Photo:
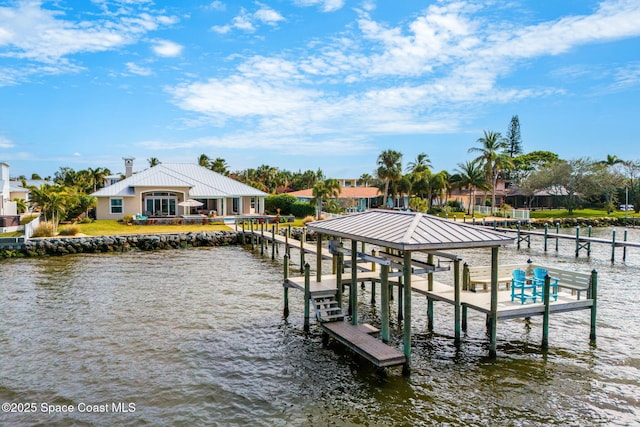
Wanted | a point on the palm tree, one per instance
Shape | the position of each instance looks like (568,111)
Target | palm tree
(365,179)
(611,160)
(389,169)
(420,164)
(492,158)
(220,166)
(204,160)
(96,177)
(153,161)
(471,176)
(323,191)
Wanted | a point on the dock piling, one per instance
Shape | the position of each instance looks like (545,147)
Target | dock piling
(307,295)
(594,296)
(384,309)
(545,317)
(456,305)
(286,288)
(613,246)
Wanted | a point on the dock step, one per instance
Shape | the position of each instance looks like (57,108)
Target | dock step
(327,308)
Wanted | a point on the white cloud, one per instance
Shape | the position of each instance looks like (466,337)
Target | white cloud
(31,32)
(427,75)
(325,5)
(248,21)
(5,142)
(268,16)
(167,48)
(218,5)
(136,69)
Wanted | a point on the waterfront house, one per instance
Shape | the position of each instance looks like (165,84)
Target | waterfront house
(160,190)
(352,199)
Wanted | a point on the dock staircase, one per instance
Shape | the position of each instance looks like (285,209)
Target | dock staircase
(327,307)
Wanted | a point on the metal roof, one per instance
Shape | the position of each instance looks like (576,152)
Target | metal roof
(409,231)
(202,182)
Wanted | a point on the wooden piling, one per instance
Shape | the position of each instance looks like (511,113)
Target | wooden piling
(613,246)
(589,243)
(262,238)
(339,286)
(400,301)
(429,300)
(318,256)
(286,288)
(494,302)
(577,241)
(353,288)
(384,295)
(456,304)
(273,242)
(624,248)
(406,369)
(546,232)
(594,297)
(545,316)
(557,232)
(303,237)
(252,237)
(307,296)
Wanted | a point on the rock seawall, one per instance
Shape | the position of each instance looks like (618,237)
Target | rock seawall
(124,243)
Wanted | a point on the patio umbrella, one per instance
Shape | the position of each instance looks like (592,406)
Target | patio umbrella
(189,203)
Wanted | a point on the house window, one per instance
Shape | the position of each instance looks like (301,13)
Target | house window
(161,204)
(253,203)
(116,206)
(236,205)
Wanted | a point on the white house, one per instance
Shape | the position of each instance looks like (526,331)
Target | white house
(159,191)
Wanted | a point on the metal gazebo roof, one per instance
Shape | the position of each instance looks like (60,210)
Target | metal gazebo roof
(409,231)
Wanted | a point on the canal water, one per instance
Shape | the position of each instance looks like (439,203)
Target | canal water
(196,337)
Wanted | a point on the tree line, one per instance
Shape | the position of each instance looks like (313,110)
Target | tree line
(498,158)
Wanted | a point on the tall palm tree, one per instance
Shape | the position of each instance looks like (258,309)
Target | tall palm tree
(389,169)
(492,157)
(323,191)
(153,161)
(470,175)
(365,179)
(420,164)
(97,176)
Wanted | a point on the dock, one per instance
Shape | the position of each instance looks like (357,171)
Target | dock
(397,236)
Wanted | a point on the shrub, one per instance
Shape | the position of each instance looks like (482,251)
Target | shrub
(45,229)
(307,219)
(284,202)
(127,219)
(86,220)
(302,209)
(69,230)
(455,205)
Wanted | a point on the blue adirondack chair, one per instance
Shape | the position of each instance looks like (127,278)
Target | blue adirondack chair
(538,280)
(521,287)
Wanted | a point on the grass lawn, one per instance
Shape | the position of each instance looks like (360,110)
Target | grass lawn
(582,213)
(111,227)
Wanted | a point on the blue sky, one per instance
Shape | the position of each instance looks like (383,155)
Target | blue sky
(308,84)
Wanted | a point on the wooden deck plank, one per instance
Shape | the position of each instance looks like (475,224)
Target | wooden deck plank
(360,341)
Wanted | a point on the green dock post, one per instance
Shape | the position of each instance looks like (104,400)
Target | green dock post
(589,243)
(286,287)
(406,369)
(286,240)
(456,298)
(493,316)
(557,232)
(273,242)
(624,248)
(303,237)
(429,300)
(307,295)
(262,238)
(545,317)
(339,279)
(577,241)
(594,297)
(465,287)
(613,246)
(353,287)
(400,311)
(318,257)
(384,310)
(546,233)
